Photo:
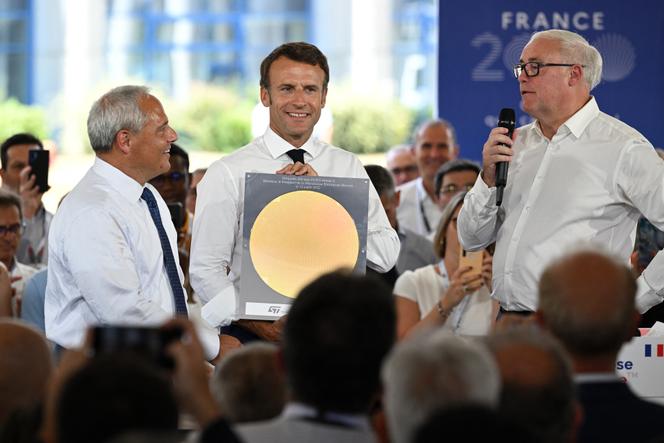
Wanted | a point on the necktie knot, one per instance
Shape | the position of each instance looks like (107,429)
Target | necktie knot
(149,198)
(297,155)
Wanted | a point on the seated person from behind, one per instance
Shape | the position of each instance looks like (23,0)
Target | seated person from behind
(445,294)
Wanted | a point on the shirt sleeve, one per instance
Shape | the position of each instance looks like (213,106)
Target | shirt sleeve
(216,225)
(382,241)
(102,264)
(406,286)
(640,179)
(478,220)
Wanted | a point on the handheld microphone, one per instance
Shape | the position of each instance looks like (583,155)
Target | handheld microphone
(507,119)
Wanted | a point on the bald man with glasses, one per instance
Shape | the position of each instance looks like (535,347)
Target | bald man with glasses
(577,175)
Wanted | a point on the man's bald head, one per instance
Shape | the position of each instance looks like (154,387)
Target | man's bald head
(587,300)
(25,367)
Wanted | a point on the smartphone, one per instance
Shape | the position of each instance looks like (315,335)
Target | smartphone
(147,342)
(177,215)
(38,161)
(472,259)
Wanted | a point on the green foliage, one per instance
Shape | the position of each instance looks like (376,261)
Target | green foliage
(214,119)
(367,125)
(17,117)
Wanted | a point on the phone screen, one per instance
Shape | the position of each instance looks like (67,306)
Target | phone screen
(472,259)
(38,161)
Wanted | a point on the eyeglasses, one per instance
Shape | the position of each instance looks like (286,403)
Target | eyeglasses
(15,229)
(171,176)
(532,69)
(403,170)
(453,189)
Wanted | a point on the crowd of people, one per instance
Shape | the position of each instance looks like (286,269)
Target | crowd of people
(120,320)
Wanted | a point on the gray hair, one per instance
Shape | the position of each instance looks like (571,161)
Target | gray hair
(430,372)
(543,401)
(248,385)
(578,50)
(114,111)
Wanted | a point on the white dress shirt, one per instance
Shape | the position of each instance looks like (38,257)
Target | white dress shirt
(416,210)
(106,264)
(217,236)
(588,184)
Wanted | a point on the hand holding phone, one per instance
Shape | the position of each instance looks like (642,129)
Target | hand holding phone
(473,259)
(147,342)
(38,161)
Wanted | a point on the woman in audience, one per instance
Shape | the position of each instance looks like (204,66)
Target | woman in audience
(456,298)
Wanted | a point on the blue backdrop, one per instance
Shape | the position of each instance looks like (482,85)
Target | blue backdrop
(480,41)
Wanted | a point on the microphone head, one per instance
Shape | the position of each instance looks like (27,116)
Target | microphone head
(507,118)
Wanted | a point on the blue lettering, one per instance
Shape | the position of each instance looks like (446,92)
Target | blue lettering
(620,365)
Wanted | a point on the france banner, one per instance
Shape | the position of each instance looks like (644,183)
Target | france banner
(480,42)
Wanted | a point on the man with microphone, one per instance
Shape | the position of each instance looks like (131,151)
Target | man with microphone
(576,175)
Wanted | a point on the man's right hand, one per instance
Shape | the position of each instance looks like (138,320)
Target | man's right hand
(265,329)
(494,152)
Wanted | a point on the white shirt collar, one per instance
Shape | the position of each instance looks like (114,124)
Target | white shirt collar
(577,123)
(121,182)
(278,146)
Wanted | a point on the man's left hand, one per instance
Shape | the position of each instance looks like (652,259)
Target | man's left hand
(297,169)
(265,329)
(29,191)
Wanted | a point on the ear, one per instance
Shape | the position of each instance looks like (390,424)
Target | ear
(397,197)
(457,149)
(576,75)
(265,97)
(123,141)
(323,98)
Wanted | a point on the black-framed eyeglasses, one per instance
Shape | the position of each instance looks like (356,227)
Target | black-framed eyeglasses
(171,176)
(532,69)
(16,228)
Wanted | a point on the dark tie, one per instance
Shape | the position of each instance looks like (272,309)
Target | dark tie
(169,259)
(297,155)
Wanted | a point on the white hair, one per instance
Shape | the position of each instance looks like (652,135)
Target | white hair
(578,50)
(114,111)
(427,373)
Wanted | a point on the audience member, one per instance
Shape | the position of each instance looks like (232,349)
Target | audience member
(15,172)
(538,390)
(196,177)
(446,294)
(402,164)
(11,229)
(122,267)
(471,423)
(455,176)
(587,300)
(249,383)
(25,369)
(113,394)
(416,251)
(432,372)
(293,85)
(173,186)
(32,301)
(338,331)
(6,292)
(434,143)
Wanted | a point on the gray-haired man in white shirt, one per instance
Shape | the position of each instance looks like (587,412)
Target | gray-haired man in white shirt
(108,245)
(576,175)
